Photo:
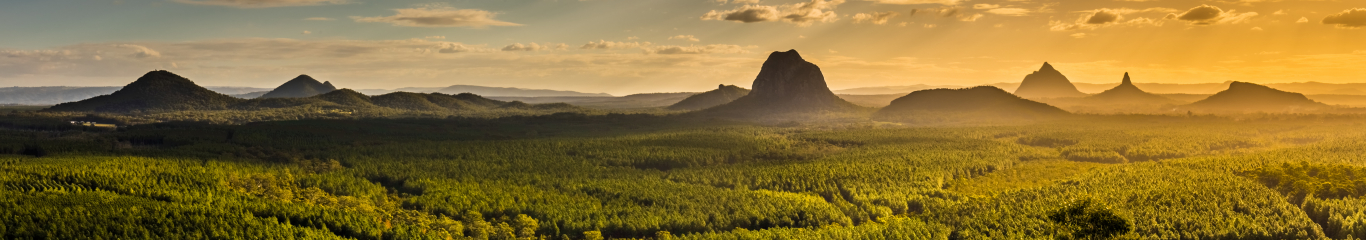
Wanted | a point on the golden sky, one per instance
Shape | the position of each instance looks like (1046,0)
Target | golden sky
(633,46)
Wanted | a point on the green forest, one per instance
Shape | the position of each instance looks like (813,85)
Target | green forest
(661,175)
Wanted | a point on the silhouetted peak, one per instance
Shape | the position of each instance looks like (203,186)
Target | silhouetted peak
(1047,68)
(329,84)
(721,86)
(304,77)
(1126,80)
(160,77)
(1237,84)
(789,55)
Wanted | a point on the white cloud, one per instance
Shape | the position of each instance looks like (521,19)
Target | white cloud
(690,38)
(261,3)
(1303,20)
(534,47)
(802,14)
(604,44)
(878,18)
(439,17)
(140,51)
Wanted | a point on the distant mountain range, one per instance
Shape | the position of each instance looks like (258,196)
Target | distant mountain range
(487,91)
(55,95)
(1309,88)
(163,91)
(59,94)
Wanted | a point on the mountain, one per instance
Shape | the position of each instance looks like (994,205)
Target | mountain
(435,101)
(786,84)
(408,101)
(300,87)
(348,98)
(1249,97)
(515,92)
(1047,82)
(722,95)
(155,91)
(975,102)
(1127,93)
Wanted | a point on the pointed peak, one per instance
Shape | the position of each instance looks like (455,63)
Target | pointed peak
(1126,80)
(1047,67)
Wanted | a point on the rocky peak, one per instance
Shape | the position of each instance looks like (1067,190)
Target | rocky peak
(786,76)
(787,83)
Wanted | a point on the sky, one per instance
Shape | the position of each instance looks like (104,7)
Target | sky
(637,46)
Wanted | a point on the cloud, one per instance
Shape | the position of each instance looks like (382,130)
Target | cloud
(1350,18)
(745,14)
(1210,15)
(306,32)
(534,47)
(320,19)
(450,47)
(439,17)
(1105,17)
(1009,11)
(738,1)
(705,49)
(140,51)
(878,18)
(604,44)
(1078,35)
(261,3)
(949,12)
(1303,20)
(985,6)
(685,37)
(911,2)
(802,14)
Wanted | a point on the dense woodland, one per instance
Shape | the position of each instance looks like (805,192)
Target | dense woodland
(599,175)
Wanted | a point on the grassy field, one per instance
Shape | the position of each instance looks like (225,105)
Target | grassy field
(661,177)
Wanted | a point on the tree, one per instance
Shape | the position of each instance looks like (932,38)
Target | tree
(526,226)
(1085,220)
